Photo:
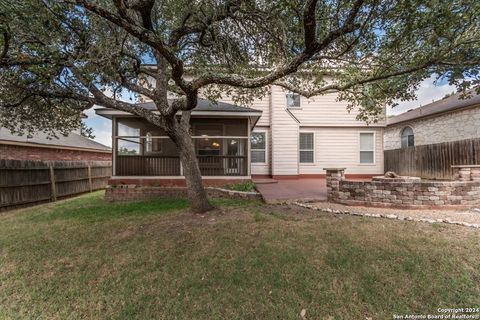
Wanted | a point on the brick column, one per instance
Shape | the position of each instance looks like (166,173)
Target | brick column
(475,173)
(333,177)
(467,172)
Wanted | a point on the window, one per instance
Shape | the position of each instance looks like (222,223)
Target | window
(367,148)
(258,147)
(293,100)
(408,138)
(306,147)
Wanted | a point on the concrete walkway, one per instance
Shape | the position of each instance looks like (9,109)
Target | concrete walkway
(275,191)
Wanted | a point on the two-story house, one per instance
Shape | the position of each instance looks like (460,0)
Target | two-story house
(282,135)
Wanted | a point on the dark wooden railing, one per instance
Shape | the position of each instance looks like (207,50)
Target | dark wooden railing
(134,165)
(147,166)
(223,165)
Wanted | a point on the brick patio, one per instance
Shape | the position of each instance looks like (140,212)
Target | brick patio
(304,189)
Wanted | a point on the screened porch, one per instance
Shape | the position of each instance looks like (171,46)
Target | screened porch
(141,149)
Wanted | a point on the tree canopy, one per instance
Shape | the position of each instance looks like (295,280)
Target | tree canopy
(57,56)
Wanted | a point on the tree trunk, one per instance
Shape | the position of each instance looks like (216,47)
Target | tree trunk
(193,177)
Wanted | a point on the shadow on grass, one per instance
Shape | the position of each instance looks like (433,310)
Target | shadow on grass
(93,208)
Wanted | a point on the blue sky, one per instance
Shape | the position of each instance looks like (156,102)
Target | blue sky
(428,92)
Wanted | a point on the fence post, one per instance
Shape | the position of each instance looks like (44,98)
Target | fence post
(89,169)
(52,182)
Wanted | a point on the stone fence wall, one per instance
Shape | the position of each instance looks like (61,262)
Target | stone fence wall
(405,192)
(138,192)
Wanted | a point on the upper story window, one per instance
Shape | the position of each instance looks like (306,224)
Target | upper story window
(367,148)
(307,149)
(408,138)
(258,147)
(293,100)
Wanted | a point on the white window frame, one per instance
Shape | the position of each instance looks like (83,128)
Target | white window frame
(299,100)
(265,132)
(313,150)
(401,137)
(374,149)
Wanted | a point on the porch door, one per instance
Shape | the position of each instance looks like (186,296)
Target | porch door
(209,150)
(233,164)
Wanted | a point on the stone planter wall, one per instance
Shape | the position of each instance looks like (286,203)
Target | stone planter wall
(402,193)
(138,192)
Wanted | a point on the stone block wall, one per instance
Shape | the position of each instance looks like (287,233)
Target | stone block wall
(408,194)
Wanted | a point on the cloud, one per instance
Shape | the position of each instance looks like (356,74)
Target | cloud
(102,127)
(427,93)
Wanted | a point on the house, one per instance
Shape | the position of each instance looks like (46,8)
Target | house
(282,136)
(446,120)
(73,147)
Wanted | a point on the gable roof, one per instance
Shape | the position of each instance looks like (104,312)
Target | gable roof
(72,141)
(206,105)
(204,108)
(451,103)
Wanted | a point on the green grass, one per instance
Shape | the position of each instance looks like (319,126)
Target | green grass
(84,258)
(247,186)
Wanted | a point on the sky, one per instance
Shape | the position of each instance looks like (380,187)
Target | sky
(427,92)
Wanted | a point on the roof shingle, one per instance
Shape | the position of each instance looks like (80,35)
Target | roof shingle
(451,103)
(73,140)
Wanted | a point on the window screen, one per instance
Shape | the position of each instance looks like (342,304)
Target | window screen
(293,100)
(306,148)
(258,147)
(367,148)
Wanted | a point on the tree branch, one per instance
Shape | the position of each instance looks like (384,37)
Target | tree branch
(311,48)
(144,35)
(228,11)
(349,85)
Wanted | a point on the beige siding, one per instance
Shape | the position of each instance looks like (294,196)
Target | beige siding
(339,147)
(258,104)
(323,110)
(284,137)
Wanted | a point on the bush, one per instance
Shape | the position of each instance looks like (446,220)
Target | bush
(247,186)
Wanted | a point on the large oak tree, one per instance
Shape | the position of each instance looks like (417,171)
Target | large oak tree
(58,56)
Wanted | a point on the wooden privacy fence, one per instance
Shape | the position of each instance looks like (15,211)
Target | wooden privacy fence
(27,182)
(433,161)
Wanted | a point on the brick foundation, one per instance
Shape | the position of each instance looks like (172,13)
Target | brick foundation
(409,193)
(135,192)
(161,182)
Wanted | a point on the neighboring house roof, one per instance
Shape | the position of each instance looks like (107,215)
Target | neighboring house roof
(451,103)
(72,141)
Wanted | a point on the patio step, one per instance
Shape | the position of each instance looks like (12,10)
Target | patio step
(264,181)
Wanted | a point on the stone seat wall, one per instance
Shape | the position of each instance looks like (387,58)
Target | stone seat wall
(403,193)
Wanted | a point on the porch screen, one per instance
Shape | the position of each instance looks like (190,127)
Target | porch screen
(258,146)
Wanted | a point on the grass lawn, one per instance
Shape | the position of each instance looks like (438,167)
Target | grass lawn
(84,258)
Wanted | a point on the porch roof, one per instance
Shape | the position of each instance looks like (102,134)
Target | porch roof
(204,108)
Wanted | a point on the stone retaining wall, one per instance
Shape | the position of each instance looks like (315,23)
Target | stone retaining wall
(137,192)
(412,193)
